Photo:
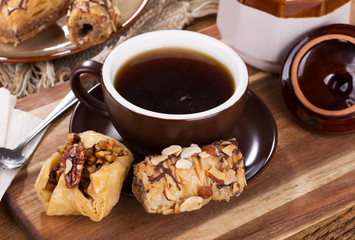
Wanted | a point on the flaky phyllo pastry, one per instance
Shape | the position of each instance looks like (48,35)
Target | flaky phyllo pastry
(185,179)
(89,22)
(92,22)
(22,19)
(85,176)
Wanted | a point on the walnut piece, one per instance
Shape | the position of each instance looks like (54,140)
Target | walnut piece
(73,138)
(76,155)
(77,163)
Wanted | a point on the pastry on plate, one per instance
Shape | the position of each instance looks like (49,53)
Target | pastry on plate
(185,179)
(20,20)
(92,22)
(84,177)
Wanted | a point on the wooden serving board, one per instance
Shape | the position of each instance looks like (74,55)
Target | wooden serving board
(311,177)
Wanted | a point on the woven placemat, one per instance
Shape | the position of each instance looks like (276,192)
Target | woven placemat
(23,79)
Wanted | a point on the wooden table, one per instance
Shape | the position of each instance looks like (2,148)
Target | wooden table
(307,190)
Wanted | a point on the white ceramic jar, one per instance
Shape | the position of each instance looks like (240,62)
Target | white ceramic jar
(263,34)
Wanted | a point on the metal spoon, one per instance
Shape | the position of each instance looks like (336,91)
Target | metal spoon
(14,158)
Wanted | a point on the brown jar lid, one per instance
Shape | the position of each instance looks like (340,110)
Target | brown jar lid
(296,8)
(318,79)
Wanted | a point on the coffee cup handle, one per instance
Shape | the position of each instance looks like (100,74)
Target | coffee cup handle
(93,68)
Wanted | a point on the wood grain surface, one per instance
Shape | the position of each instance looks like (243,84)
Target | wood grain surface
(306,191)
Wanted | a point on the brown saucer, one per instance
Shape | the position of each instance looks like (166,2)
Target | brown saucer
(256,132)
(318,79)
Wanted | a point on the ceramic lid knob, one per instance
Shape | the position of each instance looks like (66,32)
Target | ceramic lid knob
(318,79)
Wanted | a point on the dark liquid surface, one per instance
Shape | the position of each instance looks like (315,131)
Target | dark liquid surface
(174,81)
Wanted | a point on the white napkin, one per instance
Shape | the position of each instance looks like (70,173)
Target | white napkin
(15,125)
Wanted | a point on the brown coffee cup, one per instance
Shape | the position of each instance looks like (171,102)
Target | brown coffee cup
(148,131)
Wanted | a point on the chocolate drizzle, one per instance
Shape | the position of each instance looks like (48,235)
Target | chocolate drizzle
(220,186)
(237,192)
(239,161)
(236,165)
(78,4)
(17,37)
(87,5)
(22,5)
(221,161)
(163,170)
(236,151)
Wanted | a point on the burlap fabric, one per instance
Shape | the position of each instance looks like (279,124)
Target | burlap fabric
(25,78)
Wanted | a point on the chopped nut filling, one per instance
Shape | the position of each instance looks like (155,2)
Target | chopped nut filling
(78,162)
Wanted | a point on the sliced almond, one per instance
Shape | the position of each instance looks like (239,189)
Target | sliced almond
(68,166)
(158,159)
(216,175)
(170,195)
(236,189)
(224,143)
(204,154)
(171,150)
(193,145)
(230,177)
(184,164)
(229,150)
(189,151)
(178,153)
(165,164)
(191,203)
(177,208)
(79,167)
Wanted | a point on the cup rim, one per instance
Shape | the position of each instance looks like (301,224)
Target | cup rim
(241,72)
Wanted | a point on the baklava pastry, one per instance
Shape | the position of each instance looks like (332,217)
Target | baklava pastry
(84,177)
(185,179)
(20,20)
(92,22)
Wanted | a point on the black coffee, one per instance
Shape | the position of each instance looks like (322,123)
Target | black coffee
(175,81)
